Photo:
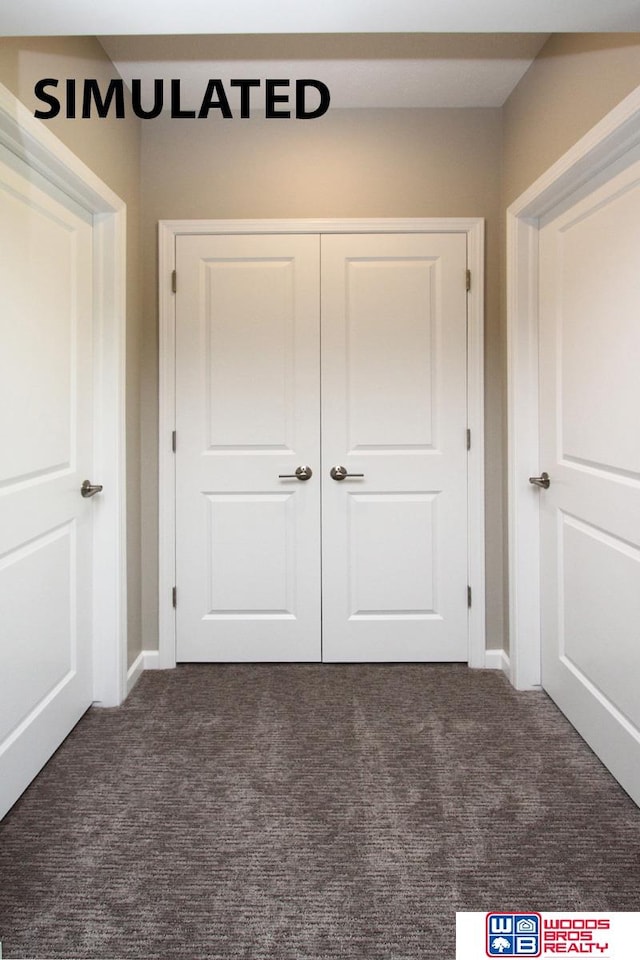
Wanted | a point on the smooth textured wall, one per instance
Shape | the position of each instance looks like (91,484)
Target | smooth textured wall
(576,79)
(350,163)
(111,148)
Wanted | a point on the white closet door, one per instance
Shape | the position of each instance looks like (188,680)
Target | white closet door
(46,426)
(590,447)
(247,412)
(394,409)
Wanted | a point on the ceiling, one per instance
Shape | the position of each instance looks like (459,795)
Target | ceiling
(370,53)
(96,18)
(381,70)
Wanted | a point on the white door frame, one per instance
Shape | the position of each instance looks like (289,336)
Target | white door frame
(169,230)
(43,152)
(603,152)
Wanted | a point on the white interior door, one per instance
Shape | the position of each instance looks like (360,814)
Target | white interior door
(590,447)
(247,413)
(46,429)
(394,409)
(249,310)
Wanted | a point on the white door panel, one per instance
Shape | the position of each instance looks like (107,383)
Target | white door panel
(46,429)
(247,383)
(394,409)
(249,365)
(590,446)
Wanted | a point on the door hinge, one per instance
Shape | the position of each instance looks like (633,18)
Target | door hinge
(174,596)
(173,440)
(468,440)
(468,280)
(173,281)
(468,596)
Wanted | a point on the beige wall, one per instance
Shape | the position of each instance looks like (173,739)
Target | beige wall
(350,163)
(111,148)
(576,79)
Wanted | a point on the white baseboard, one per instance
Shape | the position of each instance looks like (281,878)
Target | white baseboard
(146,660)
(150,660)
(498,660)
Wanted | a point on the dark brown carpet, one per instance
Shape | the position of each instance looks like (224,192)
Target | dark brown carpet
(307,812)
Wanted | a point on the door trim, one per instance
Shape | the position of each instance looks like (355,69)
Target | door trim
(168,232)
(30,140)
(606,149)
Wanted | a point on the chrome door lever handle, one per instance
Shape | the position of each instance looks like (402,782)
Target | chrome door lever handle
(90,489)
(544,481)
(302,473)
(341,473)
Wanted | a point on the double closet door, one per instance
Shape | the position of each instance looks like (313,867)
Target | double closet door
(321,456)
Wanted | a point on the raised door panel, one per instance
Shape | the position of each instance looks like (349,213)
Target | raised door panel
(393,568)
(258,578)
(249,351)
(390,340)
(601,600)
(39,576)
(247,415)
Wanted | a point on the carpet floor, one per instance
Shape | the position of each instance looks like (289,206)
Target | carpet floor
(303,812)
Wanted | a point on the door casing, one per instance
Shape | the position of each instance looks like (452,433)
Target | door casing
(54,163)
(473,228)
(607,149)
